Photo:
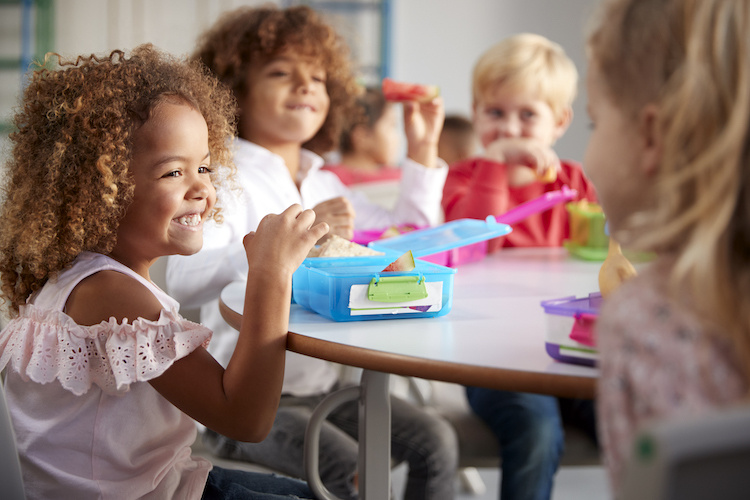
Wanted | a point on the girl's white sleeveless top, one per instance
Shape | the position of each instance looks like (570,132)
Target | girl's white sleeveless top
(88,424)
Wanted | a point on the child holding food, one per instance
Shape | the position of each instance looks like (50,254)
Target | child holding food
(290,74)
(523,89)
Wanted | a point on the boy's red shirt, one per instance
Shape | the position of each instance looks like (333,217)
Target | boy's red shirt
(478,187)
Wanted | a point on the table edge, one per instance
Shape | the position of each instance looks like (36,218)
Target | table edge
(553,384)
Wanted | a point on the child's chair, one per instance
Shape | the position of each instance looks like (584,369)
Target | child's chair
(699,458)
(10,467)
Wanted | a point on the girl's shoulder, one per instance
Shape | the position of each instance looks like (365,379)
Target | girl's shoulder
(45,343)
(111,293)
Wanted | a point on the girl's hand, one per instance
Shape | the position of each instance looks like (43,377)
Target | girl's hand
(282,241)
(534,159)
(339,214)
(423,122)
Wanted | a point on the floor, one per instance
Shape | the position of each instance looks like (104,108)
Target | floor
(571,483)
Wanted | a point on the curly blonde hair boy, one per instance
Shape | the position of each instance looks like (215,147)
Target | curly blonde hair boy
(67,182)
(251,37)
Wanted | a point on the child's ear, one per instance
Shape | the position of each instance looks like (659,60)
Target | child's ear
(563,122)
(651,138)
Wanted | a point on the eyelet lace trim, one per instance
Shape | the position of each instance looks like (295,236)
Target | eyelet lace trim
(44,345)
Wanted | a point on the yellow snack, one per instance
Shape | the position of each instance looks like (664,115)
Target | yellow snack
(548,176)
(615,270)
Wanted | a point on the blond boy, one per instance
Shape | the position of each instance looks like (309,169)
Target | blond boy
(523,91)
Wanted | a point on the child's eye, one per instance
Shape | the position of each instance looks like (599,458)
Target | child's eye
(527,114)
(173,173)
(495,113)
(204,169)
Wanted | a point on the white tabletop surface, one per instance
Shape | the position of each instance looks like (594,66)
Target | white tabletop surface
(496,326)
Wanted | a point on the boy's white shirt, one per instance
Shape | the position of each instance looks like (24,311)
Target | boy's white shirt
(267,187)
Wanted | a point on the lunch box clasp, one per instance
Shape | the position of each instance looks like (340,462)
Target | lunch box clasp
(397,288)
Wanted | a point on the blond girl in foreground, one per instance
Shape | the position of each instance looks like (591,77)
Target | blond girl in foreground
(669,98)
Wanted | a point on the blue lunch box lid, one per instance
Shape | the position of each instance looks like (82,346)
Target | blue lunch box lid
(446,236)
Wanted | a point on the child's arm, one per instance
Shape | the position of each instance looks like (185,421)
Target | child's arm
(241,401)
(423,122)
(476,188)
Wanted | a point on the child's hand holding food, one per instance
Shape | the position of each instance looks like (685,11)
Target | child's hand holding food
(424,114)
(339,214)
(528,160)
(282,242)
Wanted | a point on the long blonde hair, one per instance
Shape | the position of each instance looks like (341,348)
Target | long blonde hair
(691,58)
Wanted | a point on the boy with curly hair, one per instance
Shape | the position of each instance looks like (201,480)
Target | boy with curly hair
(291,76)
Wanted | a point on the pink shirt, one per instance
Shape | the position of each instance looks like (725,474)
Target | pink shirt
(657,362)
(88,424)
(351,176)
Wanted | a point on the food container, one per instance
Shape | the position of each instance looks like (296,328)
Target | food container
(477,251)
(570,328)
(355,288)
(588,239)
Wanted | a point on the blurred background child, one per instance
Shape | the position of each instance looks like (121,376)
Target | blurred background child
(369,149)
(291,76)
(369,144)
(113,166)
(523,89)
(668,88)
(458,141)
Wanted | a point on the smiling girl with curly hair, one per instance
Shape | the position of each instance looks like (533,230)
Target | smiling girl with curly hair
(113,166)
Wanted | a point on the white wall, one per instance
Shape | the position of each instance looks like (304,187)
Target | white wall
(434,41)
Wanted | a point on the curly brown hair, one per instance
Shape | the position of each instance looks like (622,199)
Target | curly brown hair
(250,37)
(67,182)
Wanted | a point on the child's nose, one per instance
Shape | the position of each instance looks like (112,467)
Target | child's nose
(303,82)
(200,188)
(510,127)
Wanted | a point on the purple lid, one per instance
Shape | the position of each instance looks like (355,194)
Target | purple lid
(571,306)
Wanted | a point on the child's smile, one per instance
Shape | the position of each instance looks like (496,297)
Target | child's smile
(189,220)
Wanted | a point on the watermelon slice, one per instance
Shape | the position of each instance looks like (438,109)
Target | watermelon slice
(401,91)
(402,264)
